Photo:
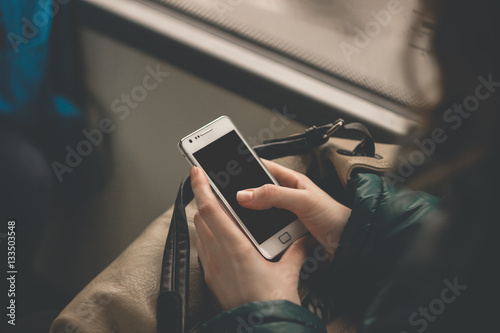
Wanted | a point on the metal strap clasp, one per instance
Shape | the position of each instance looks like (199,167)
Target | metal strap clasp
(338,124)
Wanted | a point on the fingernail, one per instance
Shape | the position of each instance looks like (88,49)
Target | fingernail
(244,196)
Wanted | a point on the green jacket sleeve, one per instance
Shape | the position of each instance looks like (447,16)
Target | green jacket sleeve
(383,223)
(263,317)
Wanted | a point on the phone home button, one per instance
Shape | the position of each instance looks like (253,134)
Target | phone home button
(285,237)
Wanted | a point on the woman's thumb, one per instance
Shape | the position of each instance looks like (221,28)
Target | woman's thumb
(296,254)
(271,195)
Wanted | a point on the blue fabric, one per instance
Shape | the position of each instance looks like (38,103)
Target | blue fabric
(25,95)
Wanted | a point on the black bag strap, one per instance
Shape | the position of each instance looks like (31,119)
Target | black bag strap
(301,144)
(367,146)
(172,305)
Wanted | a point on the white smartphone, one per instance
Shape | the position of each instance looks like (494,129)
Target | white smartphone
(232,165)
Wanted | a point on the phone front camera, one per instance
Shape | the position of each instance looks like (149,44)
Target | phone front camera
(190,141)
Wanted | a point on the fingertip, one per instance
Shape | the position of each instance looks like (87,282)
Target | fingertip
(303,242)
(296,252)
(198,178)
(305,245)
(193,171)
(245,196)
(196,219)
(192,175)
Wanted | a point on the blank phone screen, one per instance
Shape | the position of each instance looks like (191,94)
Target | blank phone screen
(232,167)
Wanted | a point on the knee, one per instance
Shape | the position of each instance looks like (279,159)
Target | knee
(25,175)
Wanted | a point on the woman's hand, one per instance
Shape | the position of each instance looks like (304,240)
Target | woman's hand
(234,270)
(324,217)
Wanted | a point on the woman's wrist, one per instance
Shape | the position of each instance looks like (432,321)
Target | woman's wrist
(330,239)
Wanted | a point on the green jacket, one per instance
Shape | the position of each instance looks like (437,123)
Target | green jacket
(383,221)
